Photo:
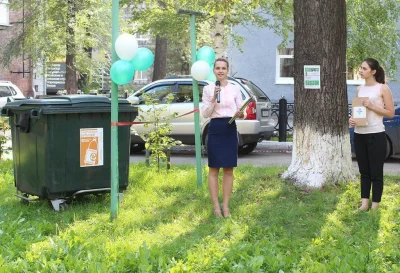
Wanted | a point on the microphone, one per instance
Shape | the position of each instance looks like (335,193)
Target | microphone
(218,84)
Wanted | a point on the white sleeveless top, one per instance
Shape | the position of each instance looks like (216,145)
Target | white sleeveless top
(375,121)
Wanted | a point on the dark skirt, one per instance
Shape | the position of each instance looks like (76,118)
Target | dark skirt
(222,144)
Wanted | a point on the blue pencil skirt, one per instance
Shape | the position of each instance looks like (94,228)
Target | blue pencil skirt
(222,144)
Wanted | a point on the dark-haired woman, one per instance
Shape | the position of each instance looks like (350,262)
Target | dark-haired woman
(222,145)
(370,140)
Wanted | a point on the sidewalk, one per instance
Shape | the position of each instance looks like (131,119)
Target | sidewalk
(272,146)
(276,146)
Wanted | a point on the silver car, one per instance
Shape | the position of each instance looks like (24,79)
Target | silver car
(257,126)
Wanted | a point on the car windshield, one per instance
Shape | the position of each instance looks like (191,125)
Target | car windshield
(254,89)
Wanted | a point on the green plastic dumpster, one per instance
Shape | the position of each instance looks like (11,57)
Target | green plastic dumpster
(62,146)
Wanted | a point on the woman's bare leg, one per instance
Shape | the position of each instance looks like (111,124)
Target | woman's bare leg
(227,185)
(375,205)
(213,187)
(364,204)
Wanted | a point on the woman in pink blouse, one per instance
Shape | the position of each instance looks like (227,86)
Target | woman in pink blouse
(222,144)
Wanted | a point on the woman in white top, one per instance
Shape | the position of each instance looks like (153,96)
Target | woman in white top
(370,140)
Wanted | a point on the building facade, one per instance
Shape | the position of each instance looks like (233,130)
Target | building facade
(260,61)
(18,70)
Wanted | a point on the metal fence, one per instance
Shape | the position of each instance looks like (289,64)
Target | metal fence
(290,115)
(289,118)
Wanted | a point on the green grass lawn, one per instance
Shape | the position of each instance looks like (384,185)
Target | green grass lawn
(165,224)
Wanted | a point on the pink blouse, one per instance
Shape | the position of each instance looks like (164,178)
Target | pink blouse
(231,101)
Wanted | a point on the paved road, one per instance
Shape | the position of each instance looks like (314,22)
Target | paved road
(267,153)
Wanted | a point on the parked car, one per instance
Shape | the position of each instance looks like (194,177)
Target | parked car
(392,130)
(257,126)
(9,90)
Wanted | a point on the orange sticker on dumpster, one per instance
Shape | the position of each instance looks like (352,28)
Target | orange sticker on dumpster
(91,147)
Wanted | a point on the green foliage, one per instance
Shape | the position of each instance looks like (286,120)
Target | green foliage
(3,137)
(44,37)
(372,33)
(166,224)
(371,24)
(157,137)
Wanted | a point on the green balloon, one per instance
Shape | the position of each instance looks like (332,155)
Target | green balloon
(211,77)
(122,72)
(206,53)
(143,59)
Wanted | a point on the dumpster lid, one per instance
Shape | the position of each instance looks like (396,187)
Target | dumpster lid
(68,100)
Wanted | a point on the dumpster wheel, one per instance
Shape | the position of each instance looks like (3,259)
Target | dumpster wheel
(63,206)
(59,204)
(25,200)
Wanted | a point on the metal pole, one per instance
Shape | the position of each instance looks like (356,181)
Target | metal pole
(114,118)
(196,103)
(282,119)
(23,39)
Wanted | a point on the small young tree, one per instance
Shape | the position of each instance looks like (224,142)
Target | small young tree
(157,137)
(3,137)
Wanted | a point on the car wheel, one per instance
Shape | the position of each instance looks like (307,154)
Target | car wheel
(137,147)
(388,148)
(247,148)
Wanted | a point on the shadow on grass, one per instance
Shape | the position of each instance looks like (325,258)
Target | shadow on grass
(281,220)
(274,226)
(310,231)
(348,239)
(271,221)
(24,224)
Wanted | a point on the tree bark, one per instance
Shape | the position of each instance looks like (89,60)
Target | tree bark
(219,36)
(70,75)
(160,58)
(321,150)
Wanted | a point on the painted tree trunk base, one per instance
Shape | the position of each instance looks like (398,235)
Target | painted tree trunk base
(319,159)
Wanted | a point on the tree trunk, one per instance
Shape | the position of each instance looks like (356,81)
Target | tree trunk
(219,36)
(83,81)
(160,58)
(321,150)
(70,75)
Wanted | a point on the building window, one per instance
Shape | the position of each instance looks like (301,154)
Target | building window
(140,76)
(4,14)
(353,77)
(285,66)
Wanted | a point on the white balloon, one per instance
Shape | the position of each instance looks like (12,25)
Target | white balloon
(200,70)
(126,46)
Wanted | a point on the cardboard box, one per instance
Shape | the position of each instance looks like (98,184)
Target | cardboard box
(359,112)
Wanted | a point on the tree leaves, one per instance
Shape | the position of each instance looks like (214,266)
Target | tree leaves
(44,36)
(372,32)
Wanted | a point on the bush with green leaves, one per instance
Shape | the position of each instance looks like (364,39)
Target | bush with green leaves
(157,137)
(3,137)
